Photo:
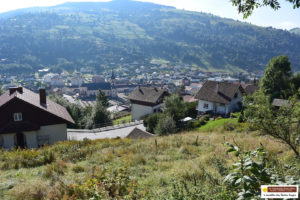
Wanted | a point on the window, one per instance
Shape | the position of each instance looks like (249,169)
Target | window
(17,117)
(205,105)
(222,104)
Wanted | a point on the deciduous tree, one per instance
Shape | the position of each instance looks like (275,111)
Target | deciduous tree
(246,7)
(276,80)
(282,124)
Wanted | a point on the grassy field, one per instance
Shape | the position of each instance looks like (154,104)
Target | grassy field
(217,124)
(190,165)
(122,120)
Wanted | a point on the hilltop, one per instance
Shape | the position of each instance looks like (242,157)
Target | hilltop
(295,30)
(112,34)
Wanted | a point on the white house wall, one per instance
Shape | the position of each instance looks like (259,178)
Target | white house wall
(138,111)
(234,102)
(55,133)
(201,108)
(8,140)
(31,139)
(51,134)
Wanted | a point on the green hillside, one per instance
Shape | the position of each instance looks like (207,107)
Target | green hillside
(73,35)
(295,30)
(189,166)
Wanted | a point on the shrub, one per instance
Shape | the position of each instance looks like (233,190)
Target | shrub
(78,169)
(151,121)
(251,171)
(26,158)
(165,126)
(229,126)
(54,169)
(104,183)
(33,191)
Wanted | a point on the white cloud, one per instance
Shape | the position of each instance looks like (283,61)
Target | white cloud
(286,25)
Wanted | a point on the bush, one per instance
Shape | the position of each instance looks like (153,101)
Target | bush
(104,183)
(26,158)
(202,121)
(54,169)
(78,169)
(165,126)
(229,126)
(151,121)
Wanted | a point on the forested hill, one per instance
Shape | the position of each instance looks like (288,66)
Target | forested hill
(73,35)
(295,30)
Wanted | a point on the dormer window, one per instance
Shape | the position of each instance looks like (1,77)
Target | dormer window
(17,117)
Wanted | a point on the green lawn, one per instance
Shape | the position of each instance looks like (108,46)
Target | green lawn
(121,120)
(216,124)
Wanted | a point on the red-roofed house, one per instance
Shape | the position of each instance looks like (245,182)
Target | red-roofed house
(31,120)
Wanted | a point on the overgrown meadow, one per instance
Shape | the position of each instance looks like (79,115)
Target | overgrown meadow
(189,165)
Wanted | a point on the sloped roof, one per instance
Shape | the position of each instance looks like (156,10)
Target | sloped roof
(137,133)
(189,98)
(34,99)
(250,89)
(225,94)
(146,94)
(279,102)
(97,86)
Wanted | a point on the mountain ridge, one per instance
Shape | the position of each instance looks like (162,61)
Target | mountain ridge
(77,34)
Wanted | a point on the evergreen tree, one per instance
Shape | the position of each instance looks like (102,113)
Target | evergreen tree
(99,117)
(174,107)
(102,99)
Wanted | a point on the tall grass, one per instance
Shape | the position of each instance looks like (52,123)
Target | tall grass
(190,165)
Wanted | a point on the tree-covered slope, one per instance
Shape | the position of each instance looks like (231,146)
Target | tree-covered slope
(295,30)
(73,35)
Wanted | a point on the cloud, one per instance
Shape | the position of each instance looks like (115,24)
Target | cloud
(286,25)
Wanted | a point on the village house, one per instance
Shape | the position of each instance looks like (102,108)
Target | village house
(145,101)
(219,97)
(31,120)
(91,89)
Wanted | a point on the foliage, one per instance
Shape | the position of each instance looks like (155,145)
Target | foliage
(174,107)
(75,35)
(295,81)
(78,169)
(282,123)
(247,6)
(251,171)
(151,121)
(99,117)
(218,125)
(26,158)
(276,80)
(190,109)
(166,125)
(101,98)
(122,120)
(77,113)
(186,165)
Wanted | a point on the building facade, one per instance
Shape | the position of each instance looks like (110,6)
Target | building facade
(145,101)
(31,120)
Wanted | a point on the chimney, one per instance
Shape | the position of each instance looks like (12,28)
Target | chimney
(14,89)
(217,87)
(42,92)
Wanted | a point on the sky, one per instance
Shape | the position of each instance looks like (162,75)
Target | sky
(284,18)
